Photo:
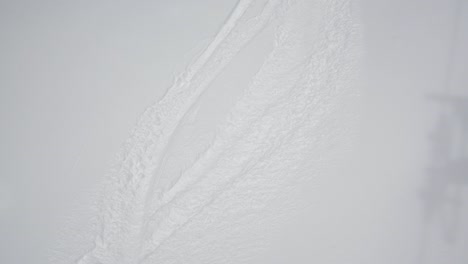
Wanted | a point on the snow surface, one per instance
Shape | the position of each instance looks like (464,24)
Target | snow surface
(186,192)
(75,76)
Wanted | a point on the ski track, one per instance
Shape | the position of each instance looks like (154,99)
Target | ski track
(290,109)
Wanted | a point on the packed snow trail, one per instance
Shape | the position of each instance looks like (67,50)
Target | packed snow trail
(286,119)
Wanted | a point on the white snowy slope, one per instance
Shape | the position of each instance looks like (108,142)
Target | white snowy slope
(235,188)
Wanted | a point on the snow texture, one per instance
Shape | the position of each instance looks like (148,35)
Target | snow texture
(294,118)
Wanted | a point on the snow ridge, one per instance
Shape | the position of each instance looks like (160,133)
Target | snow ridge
(290,109)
